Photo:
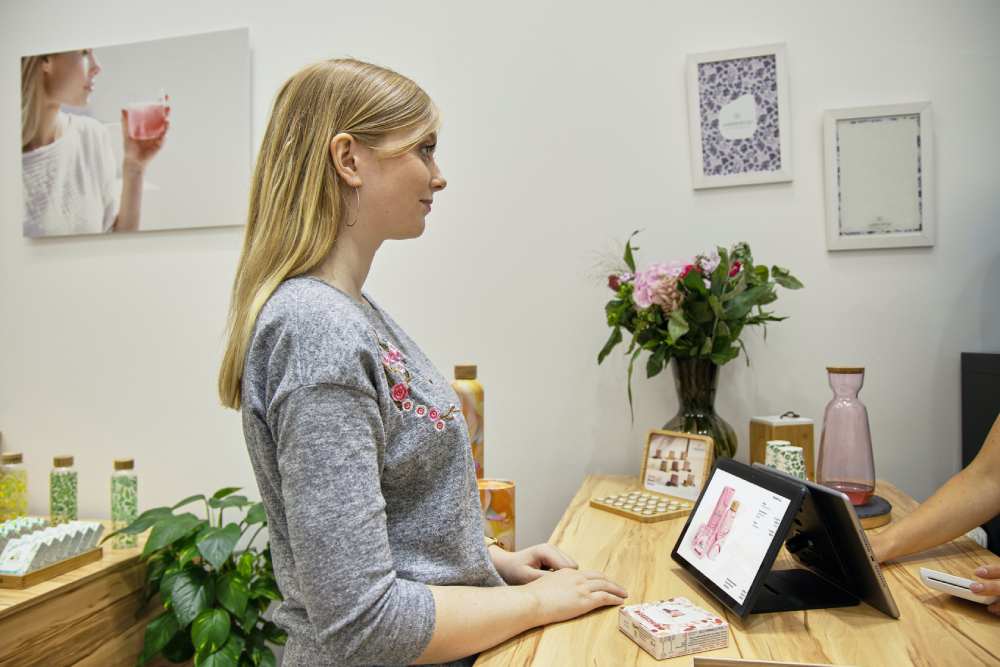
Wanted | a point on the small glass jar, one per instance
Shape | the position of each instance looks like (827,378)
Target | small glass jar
(13,487)
(846,462)
(124,502)
(63,498)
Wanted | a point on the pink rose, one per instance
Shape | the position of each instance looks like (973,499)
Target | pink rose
(614,282)
(439,425)
(407,405)
(434,414)
(400,391)
(420,411)
(735,268)
(391,356)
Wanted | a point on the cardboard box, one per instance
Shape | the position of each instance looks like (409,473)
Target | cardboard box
(673,627)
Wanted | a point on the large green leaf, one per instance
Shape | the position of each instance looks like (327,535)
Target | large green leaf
(655,362)
(784,278)
(229,501)
(695,282)
(180,649)
(170,529)
(249,619)
(225,491)
(233,593)
(216,544)
(192,592)
(274,634)
(616,337)
(264,657)
(158,634)
(142,522)
(716,305)
(244,565)
(265,588)
(189,499)
(677,326)
(210,631)
(256,514)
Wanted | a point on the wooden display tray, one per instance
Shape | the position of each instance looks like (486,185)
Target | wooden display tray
(51,571)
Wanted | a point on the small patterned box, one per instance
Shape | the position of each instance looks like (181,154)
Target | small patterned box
(673,627)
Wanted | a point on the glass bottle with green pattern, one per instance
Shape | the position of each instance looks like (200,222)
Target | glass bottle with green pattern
(13,486)
(124,501)
(63,498)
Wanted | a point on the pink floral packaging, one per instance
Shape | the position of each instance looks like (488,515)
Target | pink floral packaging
(673,627)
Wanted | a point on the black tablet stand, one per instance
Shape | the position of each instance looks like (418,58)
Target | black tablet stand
(810,543)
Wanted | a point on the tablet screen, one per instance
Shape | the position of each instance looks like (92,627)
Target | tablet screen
(731,532)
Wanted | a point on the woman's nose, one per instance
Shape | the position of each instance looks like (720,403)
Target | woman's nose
(438,182)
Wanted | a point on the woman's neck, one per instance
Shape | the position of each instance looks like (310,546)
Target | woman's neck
(347,265)
(48,129)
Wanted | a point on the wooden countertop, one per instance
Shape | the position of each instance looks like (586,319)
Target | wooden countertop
(933,628)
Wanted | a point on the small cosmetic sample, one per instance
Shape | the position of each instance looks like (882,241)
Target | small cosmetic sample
(706,533)
(673,627)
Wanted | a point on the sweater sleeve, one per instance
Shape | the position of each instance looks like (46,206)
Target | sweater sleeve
(330,443)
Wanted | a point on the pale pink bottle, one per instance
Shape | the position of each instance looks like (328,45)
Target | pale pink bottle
(846,462)
(706,534)
(720,535)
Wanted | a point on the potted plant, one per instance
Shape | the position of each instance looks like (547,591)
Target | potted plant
(692,312)
(213,595)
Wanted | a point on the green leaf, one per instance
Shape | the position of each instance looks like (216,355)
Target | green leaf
(266,589)
(170,529)
(187,554)
(784,278)
(716,306)
(695,282)
(655,362)
(180,649)
(249,620)
(706,347)
(274,634)
(216,544)
(677,326)
(217,659)
(263,656)
(142,522)
(616,337)
(244,566)
(631,363)
(158,634)
(629,259)
(189,499)
(191,594)
(233,594)
(210,630)
(725,356)
(231,501)
(225,491)
(256,514)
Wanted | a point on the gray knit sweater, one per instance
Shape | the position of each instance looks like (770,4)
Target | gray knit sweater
(363,463)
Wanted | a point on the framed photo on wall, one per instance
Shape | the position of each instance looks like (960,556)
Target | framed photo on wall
(740,128)
(879,177)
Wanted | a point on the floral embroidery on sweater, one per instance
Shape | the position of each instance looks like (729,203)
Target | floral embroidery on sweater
(400,379)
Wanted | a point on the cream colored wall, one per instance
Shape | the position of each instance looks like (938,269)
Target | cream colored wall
(565,128)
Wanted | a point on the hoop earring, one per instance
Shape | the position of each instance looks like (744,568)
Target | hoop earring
(357,211)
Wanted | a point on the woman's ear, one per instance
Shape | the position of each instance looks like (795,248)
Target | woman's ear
(344,151)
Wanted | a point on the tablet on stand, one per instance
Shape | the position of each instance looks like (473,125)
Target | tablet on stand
(738,525)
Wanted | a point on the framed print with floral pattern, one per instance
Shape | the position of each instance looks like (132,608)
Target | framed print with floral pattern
(879,177)
(739,120)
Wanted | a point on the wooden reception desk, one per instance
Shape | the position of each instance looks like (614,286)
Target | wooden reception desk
(933,629)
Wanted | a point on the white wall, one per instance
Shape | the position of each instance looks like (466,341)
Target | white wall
(565,129)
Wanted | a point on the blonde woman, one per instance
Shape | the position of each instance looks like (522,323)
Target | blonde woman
(68,166)
(357,442)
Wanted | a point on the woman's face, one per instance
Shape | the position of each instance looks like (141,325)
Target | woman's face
(397,192)
(69,77)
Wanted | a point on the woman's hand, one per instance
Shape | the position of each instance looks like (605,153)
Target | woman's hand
(989,587)
(568,593)
(139,152)
(526,565)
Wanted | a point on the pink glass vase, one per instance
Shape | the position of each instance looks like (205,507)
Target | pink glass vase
(846,462)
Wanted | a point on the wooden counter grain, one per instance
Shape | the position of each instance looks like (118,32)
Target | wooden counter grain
(933,629)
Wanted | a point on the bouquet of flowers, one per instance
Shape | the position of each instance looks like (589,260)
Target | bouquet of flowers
(690,309)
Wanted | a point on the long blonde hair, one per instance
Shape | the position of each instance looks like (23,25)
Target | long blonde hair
(296,202)
(32,91)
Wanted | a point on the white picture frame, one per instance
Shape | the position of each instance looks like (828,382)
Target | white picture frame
(738,117)
(879,167)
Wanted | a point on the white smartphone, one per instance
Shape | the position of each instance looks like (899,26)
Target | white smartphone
(957,586)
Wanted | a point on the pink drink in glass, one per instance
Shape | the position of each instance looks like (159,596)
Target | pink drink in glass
(146,120)
(846,462)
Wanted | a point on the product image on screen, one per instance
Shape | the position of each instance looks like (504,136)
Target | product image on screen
(731,531)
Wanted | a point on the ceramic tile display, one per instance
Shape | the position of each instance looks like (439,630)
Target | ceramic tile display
(136,137)
(738,113)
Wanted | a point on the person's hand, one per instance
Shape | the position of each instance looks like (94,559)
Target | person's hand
(139,152)
(990,586)
(526,565)
(568,593)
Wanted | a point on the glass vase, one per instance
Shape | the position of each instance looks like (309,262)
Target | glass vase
(846,462)
(696,381)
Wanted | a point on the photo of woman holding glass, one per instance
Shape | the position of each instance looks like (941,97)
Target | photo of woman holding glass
(67,160)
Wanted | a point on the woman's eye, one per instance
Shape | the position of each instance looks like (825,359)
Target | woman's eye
(428,149)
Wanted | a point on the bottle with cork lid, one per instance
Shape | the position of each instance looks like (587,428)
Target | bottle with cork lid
(470,393)
(13,486)
(63,498)
(124,501)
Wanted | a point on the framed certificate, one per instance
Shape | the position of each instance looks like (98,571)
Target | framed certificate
(879,177)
